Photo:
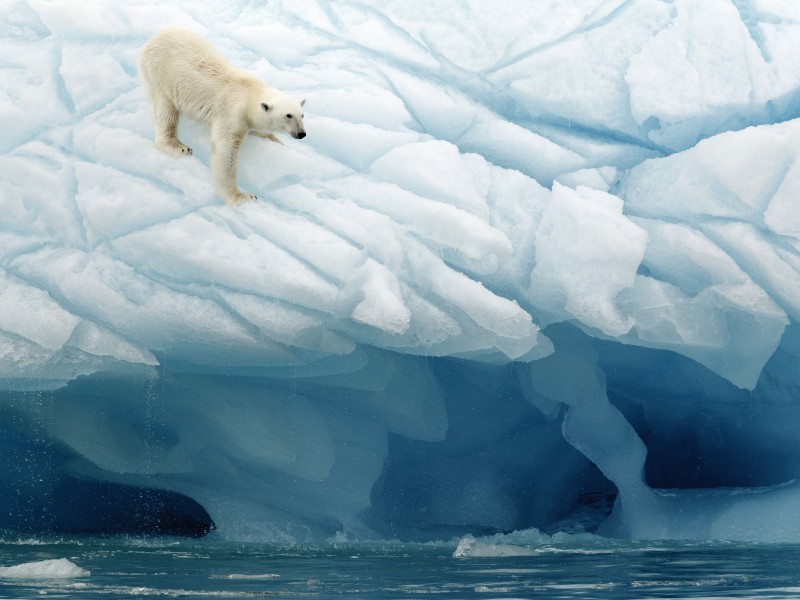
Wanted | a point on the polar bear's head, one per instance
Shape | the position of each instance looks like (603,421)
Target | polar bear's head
(283,114)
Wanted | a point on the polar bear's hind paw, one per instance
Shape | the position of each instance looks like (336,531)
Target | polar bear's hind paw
(173,147)
(240,198)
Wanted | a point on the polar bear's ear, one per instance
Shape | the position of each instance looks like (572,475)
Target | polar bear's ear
(265,106)
(303,102)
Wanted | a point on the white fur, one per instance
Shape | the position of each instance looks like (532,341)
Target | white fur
(183,74)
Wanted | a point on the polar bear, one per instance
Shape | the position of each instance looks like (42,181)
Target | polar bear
(182,73)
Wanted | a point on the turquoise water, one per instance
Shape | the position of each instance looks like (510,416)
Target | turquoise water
(127,568)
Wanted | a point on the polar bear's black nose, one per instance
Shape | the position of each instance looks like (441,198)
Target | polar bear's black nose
(301,135)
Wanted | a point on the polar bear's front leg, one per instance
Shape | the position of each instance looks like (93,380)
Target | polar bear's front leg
(225,146)
(268,136)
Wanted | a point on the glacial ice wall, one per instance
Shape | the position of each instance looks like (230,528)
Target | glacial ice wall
(528,256)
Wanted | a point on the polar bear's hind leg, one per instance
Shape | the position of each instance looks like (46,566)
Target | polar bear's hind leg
(166,115)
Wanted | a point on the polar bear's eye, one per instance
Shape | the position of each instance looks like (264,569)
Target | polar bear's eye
(288,116)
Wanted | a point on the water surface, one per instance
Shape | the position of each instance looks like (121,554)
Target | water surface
(125,568)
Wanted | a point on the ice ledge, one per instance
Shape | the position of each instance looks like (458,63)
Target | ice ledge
(430,233)
(317,270)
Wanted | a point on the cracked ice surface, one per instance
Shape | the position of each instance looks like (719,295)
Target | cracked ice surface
(473,177)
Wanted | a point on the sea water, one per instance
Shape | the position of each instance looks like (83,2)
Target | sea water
(127,568)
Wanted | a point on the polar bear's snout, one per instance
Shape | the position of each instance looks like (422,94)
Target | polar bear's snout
(300,135)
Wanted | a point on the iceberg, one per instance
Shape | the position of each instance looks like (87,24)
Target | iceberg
(533,268)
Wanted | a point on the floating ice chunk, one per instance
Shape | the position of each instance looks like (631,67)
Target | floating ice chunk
(469,547)
(587,252)
(59,568)
(247,576)
(531,542)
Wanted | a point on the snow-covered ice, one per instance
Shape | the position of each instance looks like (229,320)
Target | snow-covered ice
(527,254)
(56,568)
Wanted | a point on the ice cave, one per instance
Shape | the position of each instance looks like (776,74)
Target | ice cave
(536,266)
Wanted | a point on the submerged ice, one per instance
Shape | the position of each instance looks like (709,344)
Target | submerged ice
(529,262)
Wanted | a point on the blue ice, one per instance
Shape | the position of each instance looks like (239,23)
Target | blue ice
(531,261)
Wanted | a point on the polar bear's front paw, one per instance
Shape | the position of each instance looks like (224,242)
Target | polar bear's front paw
(240,197)
(173,147)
